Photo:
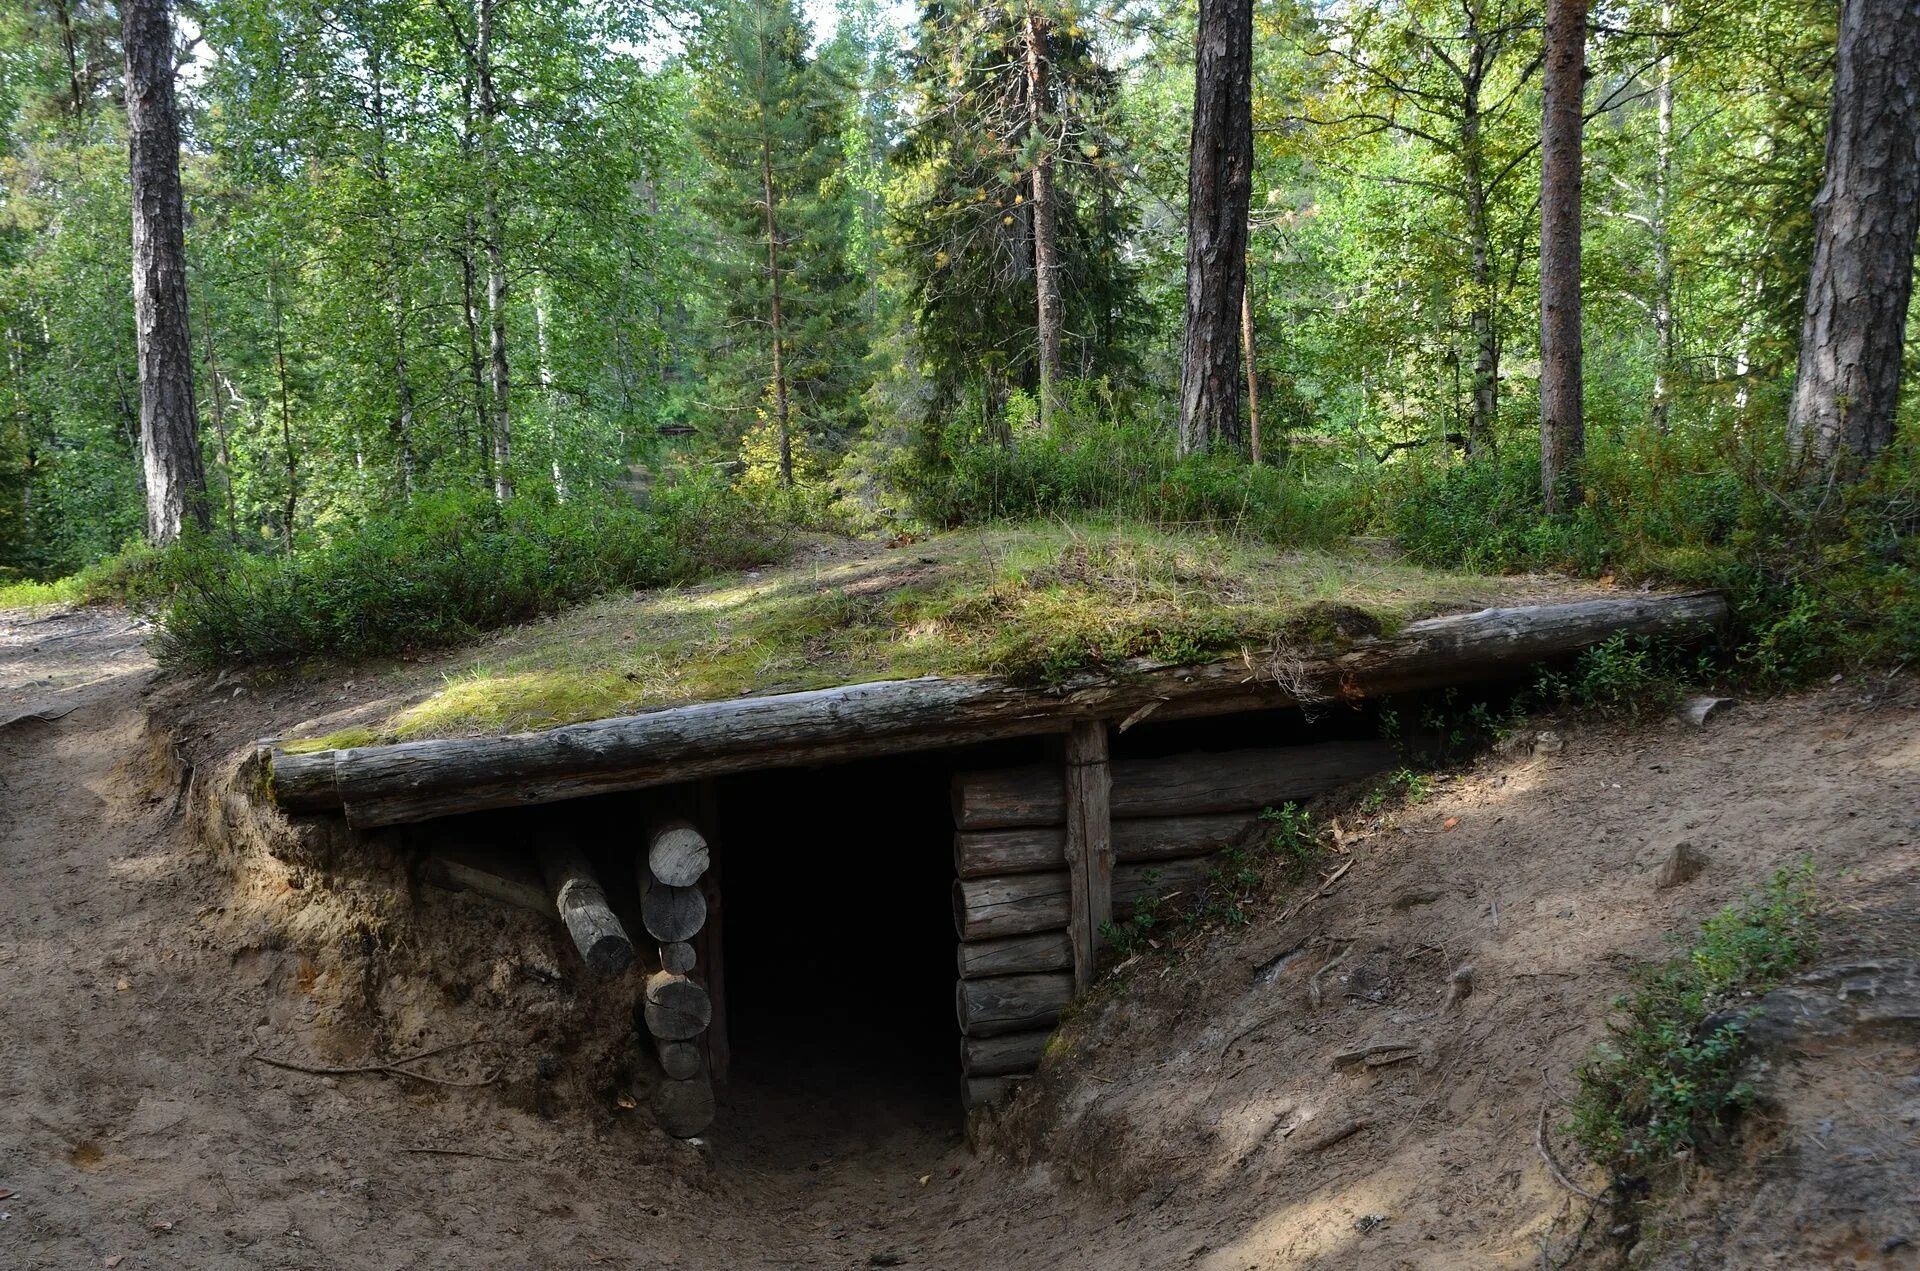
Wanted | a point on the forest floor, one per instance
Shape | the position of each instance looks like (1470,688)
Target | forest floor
(1194,1125)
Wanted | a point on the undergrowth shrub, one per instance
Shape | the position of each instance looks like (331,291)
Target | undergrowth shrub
(1667,1078)
(1101,457)
(441,569)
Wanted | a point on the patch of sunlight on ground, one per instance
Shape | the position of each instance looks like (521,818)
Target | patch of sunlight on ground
(1036,604)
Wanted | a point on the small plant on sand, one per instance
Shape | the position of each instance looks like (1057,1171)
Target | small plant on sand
(1667,1078)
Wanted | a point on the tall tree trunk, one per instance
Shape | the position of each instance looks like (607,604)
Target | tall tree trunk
(1253,371)
(496,254)
(781,407)
(1485,409)
(1865,221)
(401,425)
(223,453)
(1046,252)
(547,404)
(288,453)
(1662,234)
(76,97)
(1219,192)
(1562,422)
(476,353)
(169,426)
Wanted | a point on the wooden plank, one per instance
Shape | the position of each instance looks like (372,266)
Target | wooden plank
(412,781)
(1012,955)
(1197,783)
(1023,904)
(1007,1053)
(1089,846)
(1037,849)
(1011,1003)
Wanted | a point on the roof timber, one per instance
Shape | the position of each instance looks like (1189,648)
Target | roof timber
(419,780)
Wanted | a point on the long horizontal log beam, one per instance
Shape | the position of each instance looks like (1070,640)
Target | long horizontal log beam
(415,781)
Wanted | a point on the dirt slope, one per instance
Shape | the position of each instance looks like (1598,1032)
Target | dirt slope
(1195,1126)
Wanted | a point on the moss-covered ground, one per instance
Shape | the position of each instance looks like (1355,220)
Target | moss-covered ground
(1032,603)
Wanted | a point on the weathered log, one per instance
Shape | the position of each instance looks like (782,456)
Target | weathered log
(412,781)
(1008,1053)
(680,1059)
(985,1092)
(582,903)
(984,908)
(1013,955)
(677,854)
(670,914)
(684,1108)
(1033,849)
(676,1008)
(1089,845)
(1011,1003)
(499,880)
(1177,785)
(677,956)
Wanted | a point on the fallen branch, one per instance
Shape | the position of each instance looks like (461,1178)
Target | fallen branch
(1313,984)
(391,1068)
(1553,1166)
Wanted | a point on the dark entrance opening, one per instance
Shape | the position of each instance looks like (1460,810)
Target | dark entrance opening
(839,946)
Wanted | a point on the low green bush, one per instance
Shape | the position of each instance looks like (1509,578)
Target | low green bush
(1667,1078)
(441,569)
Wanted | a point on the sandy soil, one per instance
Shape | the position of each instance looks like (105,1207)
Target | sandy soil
(141,971)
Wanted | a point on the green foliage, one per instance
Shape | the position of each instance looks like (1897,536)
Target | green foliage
(440,570)
(1623,675)
(1104,455)
(1667,1079)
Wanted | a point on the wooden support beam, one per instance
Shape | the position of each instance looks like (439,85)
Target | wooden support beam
(509,883)
(1089,846)
(684,1108)
(415,781)
(1194,784)
(1011,955)
(670,914)
(1007,1053)
(985,1092)
(1011,1003)
(681,1060)
(582,904)
(1022,904)
(678,956)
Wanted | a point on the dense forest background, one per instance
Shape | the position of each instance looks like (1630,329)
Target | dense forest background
(552,251)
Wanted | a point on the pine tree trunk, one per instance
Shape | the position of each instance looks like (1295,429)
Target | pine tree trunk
(496,257)
(1865,221)
(1046,254)
(1562,423)
(1662,235)
(1219,192)
(781,407)
(169,427)
(1480,317)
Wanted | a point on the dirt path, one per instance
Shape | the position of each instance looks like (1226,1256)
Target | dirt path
(136,1130)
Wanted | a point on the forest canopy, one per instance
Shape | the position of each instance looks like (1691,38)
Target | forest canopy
(854,267)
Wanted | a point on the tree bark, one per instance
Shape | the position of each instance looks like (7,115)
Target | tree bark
(782,409)
(1219,192)
(1662,237)
(169,426)
(496,254)
(1562,422)
(1046,253)
(1865,220)
(1476,197)
(401,425)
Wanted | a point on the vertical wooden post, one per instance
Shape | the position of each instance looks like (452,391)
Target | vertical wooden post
(712,950)
(1089,844)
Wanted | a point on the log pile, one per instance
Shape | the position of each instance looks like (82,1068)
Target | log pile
(677,1008)
(1043,854)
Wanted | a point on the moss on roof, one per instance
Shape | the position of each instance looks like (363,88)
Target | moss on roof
(1034,603)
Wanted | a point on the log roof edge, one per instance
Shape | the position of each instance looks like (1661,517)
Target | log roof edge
(418,780)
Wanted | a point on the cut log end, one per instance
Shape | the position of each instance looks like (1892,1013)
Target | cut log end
(685,1107)
(676,1008)
(678,854)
